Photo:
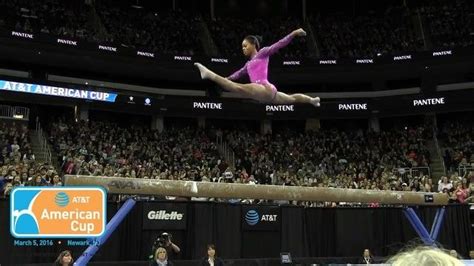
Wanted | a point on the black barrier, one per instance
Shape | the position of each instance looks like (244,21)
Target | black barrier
(449,101)
(304,232)
(45,57)
(148,54)
(342,261)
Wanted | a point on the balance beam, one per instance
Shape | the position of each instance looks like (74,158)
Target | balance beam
(136,186)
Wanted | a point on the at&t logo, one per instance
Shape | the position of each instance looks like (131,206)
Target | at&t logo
(252,217)
(61,199)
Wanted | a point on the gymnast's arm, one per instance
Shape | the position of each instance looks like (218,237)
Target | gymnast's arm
(269,50)
(239,73)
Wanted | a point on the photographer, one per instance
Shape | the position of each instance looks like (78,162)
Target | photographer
(164,241)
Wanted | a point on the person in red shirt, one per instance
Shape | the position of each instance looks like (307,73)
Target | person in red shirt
(461,194)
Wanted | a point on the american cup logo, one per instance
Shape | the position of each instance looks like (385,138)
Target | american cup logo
(38,212)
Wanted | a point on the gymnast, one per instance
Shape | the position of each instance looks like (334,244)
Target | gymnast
(260,88)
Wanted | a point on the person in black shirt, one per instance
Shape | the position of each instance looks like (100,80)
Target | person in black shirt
(366,257)
(171,248)
(211,259)
(164,241)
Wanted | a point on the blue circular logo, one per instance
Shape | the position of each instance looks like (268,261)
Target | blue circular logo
(61,199)
(252,217)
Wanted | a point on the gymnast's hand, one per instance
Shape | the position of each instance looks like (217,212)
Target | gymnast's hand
(299,32)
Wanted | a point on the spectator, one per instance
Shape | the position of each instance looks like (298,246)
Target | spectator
(211,259)
(453,253)
(56,17)
(424,256)
(444,184)
(64,259)
(172,250)
(366,257)
(366,35)
(450,23)
(14,169)
(461,193)
(177,153)
(161,258)
(172,32)
(228,34)
(459,145)
(372,157)
(389,29)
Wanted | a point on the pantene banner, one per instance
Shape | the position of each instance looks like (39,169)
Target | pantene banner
(38,212)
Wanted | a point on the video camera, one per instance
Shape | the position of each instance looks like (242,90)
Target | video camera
(160,242)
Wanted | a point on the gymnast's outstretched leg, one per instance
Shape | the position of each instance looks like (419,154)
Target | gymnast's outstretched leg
(283,98)
(221,81)
(252,90)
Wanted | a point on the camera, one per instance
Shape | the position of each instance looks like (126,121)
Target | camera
(161,241)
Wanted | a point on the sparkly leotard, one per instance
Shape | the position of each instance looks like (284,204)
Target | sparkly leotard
(257,66)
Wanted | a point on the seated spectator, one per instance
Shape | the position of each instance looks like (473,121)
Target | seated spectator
(370,158)
(424,256)
(15,171)
(228,34)
(462,194)
(458,137)
(136,152)
(161,258)
(168,32)
(365,35)
(66,19)
(366,257)
(211,258)
(64,259)
(450,23)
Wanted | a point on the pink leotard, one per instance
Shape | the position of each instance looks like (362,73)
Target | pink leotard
(257,66)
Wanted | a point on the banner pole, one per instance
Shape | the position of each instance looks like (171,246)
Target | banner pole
(96,243)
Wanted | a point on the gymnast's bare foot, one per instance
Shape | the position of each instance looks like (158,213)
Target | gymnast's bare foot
(316,102)
(205,72)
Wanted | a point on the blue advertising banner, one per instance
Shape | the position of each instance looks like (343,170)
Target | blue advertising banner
(57,91)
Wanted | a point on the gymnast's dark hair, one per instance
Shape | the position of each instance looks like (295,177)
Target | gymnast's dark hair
(255,40)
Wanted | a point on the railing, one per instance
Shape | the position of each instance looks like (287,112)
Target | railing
(413,172)
(226,151)
(14,112)
(438,150)
(210,46)
(43,141)
(463,169)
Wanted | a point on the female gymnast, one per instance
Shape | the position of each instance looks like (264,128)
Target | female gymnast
(260,88)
